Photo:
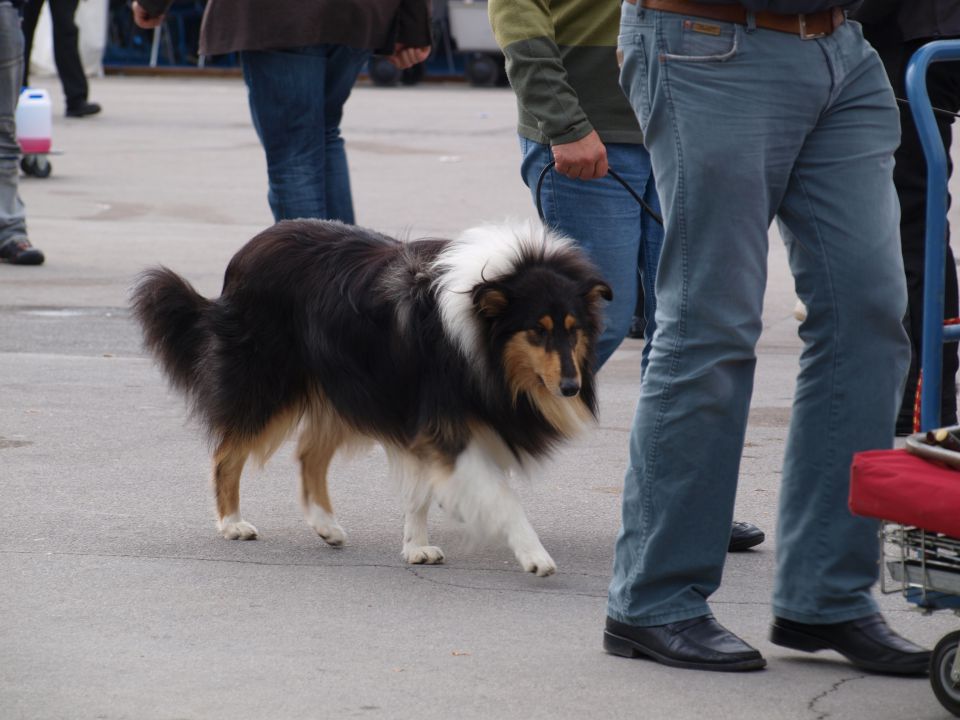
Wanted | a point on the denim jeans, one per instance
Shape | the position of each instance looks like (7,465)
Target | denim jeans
(296,101)
(13,224)
(746,125)
(608,223)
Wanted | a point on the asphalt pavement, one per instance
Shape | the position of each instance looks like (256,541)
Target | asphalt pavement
(119,600)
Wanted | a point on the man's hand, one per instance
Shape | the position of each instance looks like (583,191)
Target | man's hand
(583,159)
(142,19)
(406,57)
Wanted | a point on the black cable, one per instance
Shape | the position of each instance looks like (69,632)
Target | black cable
(615,176)
(939,111)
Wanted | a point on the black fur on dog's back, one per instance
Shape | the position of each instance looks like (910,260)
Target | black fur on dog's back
(315,311)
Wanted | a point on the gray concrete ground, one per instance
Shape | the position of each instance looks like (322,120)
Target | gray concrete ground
(118,598)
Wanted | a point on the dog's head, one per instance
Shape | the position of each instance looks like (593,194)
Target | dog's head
(544,320)
(524,306)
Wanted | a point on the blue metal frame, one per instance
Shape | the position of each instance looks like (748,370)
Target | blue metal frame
(934,332)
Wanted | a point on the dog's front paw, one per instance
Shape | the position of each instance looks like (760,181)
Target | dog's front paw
(233,527)
(538,562)
(332,535)
(422,554)
(327,527)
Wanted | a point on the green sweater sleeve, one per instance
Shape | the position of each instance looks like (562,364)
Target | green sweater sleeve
(524,29)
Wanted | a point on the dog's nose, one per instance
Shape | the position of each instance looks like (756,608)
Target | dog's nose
(569,387)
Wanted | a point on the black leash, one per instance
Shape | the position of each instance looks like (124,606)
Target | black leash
(615,176)
(938,111)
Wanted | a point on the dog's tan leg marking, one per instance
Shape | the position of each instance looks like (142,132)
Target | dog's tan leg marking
(318,443)
(228,461)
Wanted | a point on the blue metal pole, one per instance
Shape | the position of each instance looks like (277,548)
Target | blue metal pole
(931,352)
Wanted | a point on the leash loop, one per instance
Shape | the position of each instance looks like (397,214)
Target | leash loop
(543,174)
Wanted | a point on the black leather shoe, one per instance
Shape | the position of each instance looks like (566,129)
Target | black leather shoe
(19,251)
(83,109)
(866,642)
(698,644)
(744,536)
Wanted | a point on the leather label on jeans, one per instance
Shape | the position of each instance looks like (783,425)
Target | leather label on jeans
(705,28)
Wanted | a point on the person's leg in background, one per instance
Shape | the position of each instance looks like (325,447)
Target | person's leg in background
(31,14)
(66,53)
(602,217)
(910,177)
(343,66)
(294,95)
(14,246)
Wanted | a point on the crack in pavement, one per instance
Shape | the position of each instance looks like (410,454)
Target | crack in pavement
(823,715)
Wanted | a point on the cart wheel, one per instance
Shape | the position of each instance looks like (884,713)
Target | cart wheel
(36,165)
(481,70)
(941,665)
(383,73)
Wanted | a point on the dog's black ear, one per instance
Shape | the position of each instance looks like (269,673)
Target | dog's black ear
(490,300)
(596,289)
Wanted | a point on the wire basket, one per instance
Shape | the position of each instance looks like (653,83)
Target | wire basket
(923,566)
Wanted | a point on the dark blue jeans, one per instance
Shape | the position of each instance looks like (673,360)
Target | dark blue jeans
(609,225)
(296,101)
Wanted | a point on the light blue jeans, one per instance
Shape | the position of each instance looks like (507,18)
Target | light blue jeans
(296,100)
(13,224)
(608,223)
(743,126)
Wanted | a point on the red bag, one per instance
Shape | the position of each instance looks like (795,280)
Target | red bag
(898,486)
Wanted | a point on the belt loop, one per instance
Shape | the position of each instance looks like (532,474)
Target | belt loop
(751,21)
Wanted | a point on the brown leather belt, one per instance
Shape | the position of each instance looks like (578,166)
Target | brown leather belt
(808,27)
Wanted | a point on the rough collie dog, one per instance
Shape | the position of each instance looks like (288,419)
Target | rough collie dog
(466,359)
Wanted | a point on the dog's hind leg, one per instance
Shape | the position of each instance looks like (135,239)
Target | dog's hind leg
(228,461)
(318,443)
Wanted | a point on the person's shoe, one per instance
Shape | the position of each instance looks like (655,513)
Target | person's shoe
(697,644)
(19,251)
(637,327)
(866,642)
(744,536)
(83,109)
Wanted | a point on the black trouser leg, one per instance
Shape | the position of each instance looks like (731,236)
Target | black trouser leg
(910,177)
(66,51)
(31,13)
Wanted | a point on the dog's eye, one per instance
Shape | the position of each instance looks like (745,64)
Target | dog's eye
(537,334)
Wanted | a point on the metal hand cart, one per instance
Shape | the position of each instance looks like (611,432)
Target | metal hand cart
(925,565)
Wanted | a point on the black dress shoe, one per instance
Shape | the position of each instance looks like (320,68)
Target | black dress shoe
(866,642)
(83,109)
(19,251)
(744,536)
(698,644)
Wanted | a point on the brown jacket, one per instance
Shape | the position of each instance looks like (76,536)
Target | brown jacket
(232,25)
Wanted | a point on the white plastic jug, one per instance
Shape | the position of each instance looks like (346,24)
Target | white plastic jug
(34,121)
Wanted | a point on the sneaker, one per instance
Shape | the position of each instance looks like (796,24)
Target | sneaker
(19,251)
(83,109)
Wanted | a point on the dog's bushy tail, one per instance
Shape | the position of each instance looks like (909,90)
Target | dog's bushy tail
(171,313)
